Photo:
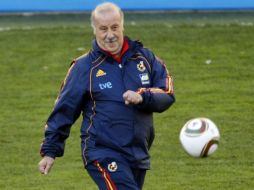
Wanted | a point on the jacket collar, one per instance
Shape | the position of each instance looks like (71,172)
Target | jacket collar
(124,49)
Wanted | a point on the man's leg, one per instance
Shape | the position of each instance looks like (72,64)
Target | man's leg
(110,174)
(139,176)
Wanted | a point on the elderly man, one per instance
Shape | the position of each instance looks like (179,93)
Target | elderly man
(117,86)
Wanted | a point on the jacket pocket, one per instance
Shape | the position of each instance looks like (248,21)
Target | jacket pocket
(115,133)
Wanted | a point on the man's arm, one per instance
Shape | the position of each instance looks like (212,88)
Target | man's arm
(160,96)
(154,99)
(67,109)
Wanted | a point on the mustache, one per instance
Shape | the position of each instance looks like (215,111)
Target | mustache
(110,40)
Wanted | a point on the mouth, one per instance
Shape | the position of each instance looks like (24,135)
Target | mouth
(110,44)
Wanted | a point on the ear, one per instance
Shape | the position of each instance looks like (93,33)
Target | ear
(94,29)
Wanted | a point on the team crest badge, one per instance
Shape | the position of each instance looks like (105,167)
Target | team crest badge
(141,66)
(112,167)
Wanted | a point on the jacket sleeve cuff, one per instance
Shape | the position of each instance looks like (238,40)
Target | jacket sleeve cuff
(49,154)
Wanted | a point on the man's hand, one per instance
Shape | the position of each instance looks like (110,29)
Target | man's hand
(45,164)
(131,97)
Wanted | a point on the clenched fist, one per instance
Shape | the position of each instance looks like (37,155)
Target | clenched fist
(45,164)
(131,97)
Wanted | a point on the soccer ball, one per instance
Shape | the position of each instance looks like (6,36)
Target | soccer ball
(200,137)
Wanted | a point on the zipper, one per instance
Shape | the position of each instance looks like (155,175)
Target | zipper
(122,69)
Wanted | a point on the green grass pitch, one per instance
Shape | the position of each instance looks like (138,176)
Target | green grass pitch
(35,53)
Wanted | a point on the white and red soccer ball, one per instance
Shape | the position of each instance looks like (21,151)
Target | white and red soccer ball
(200,137)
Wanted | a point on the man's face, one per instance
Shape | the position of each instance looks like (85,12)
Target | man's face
(109,31)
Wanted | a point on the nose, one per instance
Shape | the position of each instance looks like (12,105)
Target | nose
(110,35)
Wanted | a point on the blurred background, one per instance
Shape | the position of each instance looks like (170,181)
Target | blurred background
(87,5)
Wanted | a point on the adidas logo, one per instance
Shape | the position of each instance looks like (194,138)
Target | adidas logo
(100,73)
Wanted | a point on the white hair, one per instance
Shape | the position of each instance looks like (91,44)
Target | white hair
(105,8)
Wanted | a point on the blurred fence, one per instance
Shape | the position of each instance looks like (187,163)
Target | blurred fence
(87,5)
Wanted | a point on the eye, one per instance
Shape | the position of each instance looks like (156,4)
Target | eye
(114,27)
(103,28)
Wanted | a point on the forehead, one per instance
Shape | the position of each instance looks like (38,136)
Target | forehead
(108,18)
